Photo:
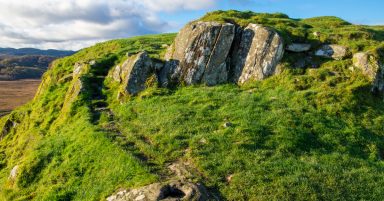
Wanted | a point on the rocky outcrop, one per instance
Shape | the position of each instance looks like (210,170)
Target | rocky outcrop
(77,85)
(333,51)
(298,47)
(133,73)
(258,54)
(172,191)
(371,66)
(212,53)
(179,187)
(199,54)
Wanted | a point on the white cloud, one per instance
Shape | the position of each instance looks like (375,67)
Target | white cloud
(73,24)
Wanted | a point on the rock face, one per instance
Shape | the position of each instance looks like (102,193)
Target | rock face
(133,73)
(200,53)
(171,191)
(372,68)
(332,51)
(77,85)
(298,47)
(258,54)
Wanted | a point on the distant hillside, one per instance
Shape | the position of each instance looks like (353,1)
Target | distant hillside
(33,51)
(27,63)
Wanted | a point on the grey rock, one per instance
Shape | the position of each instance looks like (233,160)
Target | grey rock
(133,73)
(77,85)
(168,75)
(201,50)
(227,124)
(78,68)
(257,55)
(171,191)
(13,173)
(371,66)
(316,34)
(298,47)
(332,51)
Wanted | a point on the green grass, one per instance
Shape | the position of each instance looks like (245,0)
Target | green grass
(320,143)
(331,29)
(306,134)
(61,154)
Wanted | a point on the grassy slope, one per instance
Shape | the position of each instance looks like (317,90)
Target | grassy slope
(304,134)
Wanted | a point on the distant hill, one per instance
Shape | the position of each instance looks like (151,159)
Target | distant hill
(33,51)
(27,63)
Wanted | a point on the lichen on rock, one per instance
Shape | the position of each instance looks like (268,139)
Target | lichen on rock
(200,51)
(258,54)
(372,67)
(133,73)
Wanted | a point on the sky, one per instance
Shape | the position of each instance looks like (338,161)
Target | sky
(75,24)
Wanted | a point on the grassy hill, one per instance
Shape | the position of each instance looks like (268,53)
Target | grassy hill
(305,134)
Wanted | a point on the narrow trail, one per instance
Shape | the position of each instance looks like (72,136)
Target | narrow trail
(99,107)
(179,171)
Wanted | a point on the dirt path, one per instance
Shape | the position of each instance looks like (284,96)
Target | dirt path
(16,93)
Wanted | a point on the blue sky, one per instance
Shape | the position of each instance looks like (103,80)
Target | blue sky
(74,24)
(356,11)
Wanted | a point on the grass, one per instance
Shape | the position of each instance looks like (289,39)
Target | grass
(331,29)
(319,143)
(306,134)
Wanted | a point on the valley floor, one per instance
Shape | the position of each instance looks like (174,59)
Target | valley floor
(16,93)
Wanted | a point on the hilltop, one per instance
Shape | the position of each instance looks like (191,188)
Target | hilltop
(236,106)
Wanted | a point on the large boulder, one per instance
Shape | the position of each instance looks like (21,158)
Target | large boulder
(257,55)
(199,54)
(133,73)
(332,51)
(371,66)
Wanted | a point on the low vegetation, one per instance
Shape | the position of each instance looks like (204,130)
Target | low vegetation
(305,134)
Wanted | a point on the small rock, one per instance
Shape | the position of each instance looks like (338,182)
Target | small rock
(229,178)
(337,52)
(171,190)
(370,65)
(77,69)
(13,173)
(92,62)
(298,47)
(316,34)
(203,141)
(227,124)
